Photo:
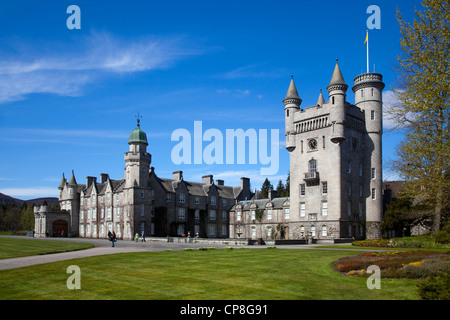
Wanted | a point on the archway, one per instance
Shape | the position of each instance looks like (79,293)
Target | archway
(60,226)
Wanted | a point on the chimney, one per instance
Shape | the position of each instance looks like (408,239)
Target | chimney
(103,177)
(177,175)
(245,184)
(90,180)
(272,194)
(207,179)
(219,182)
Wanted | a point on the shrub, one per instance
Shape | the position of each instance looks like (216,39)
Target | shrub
(442,237)
(435,287)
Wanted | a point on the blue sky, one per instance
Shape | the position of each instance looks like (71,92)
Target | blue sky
(68,98)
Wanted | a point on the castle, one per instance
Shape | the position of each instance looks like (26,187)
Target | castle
(141,202)
(335,168)
(335,183)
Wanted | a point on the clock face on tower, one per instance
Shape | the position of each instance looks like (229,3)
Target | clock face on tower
(312,144)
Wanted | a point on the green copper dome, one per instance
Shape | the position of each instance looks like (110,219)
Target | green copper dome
(138,136)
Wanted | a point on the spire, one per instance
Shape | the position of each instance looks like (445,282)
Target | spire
(321,100)
(63,182)
(139,117)
(337,80)
(72,181)
(292,94)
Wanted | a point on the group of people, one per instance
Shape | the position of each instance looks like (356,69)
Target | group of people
(112,237)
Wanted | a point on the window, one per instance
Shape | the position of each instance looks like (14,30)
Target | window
(101,199)
(360,169)
(349,189)
(213,200)
(117,212)
(373,173)
(224,215)
(197,200)
(108,213)
(238,215)
(302,189)
(313,231)
(324,187)
(324,231)
(224,202)
(181,213)
(253,213)
(349,208)
(286,213)
(94,214)
(332,100)
(302,209)
(360,190)
(211,230)
(108,196)
(197,214)
(212,214)
(349,167)
(81,214)
(373,194)
(81,201)
(324,208)
(312,165)
(372,115)
(142,194)
(168,197)
(180,229)
(269,232)
(269,214)
(253,232)
(153,212)
(224,230)
(117,197)
(181,198)
(142,210)
(196,229)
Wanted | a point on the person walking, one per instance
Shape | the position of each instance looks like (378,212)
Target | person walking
(143,236)
(113,238)
(136,237)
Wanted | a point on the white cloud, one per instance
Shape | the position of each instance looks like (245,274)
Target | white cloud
(66,70)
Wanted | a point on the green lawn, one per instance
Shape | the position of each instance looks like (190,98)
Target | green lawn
(241,274)
(18,247)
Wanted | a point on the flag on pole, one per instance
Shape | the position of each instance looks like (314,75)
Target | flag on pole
(367,38)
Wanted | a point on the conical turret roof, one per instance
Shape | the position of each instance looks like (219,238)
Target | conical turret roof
(63,182)
(72,181)
(321,100)
(337,79)
(292,94)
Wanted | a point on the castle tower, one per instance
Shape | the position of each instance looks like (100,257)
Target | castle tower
(137,159)
(368,89)
(337,94)
(292,104)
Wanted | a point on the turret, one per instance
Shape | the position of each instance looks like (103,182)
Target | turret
(137,159)
(292,104)
(337,93)
(368,89)
(72,187)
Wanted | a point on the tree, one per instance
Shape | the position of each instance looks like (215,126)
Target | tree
(266,186)
(280,189)
(423,112)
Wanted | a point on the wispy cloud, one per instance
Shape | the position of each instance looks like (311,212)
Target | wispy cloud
(66,71)
(251,71)
(238,93)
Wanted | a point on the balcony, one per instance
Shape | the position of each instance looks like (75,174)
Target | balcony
(311,177)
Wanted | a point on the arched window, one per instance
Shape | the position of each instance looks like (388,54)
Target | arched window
(312,165)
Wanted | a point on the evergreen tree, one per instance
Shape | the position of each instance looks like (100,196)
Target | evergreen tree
(266,186)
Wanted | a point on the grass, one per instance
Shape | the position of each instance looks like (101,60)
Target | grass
(14,247)
(242,274)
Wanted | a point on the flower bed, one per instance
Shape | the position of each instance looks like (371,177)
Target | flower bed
(411,265)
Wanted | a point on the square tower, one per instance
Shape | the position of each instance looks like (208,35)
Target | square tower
(334,153)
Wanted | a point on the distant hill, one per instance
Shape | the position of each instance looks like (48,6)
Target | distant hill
(5,199)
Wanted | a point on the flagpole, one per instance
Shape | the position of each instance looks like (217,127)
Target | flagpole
(367,37)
